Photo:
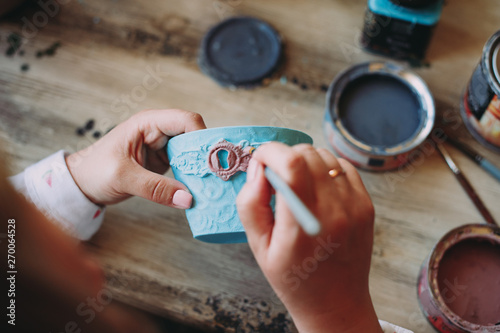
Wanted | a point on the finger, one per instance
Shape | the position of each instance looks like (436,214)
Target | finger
(316,164)
(357,188)
(290,165)
(157,125)
(332,164)
(154,187)
(363,204)
(293,169)
(254,209)
(351,173)
(330,160)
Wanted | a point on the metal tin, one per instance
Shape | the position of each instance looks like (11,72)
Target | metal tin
(480,106)
(400,29)
(376,157)
(430,299)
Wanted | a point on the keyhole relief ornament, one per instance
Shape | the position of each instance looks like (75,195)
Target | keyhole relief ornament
(237,159)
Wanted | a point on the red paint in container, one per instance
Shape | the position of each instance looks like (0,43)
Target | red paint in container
(459,283)
(480,107)
(474,265)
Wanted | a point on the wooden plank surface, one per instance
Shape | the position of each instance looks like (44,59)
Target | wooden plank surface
(107,49)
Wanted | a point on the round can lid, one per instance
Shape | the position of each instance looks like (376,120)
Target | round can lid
(240,51)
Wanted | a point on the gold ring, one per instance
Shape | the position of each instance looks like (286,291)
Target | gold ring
(335,172)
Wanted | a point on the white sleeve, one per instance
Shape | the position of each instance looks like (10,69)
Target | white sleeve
(390,328)
(51,188)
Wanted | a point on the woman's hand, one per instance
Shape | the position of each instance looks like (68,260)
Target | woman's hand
(322,280)
(131,160)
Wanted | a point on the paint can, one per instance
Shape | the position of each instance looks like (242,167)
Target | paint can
(377,114)
(400,28)
(480,106)
(458,289)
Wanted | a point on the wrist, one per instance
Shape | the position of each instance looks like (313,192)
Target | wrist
(73,169)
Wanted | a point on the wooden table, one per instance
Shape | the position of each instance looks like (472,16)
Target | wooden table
(107,49)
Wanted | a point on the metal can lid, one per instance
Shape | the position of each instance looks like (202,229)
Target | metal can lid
(240,52)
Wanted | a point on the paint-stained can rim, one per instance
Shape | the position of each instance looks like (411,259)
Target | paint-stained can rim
(485,232)
(491,62)
(405,76)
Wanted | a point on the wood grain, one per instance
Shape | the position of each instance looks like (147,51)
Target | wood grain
(107,49)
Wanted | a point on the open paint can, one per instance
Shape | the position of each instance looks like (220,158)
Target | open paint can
(480,105)
(459,283)
(377,113)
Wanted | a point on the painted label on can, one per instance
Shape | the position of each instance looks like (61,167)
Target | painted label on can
(488,125)
(399,29)
(490,122)
(480,106)
(395,38)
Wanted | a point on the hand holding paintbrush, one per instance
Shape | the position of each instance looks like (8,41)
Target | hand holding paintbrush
(311,274)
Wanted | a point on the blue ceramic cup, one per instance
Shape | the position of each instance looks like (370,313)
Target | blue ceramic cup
(212,164)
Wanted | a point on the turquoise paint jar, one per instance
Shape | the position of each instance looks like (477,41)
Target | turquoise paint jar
(400,28)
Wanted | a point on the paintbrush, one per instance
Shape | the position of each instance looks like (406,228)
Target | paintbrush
(466,185)
(480,160)
(303,215)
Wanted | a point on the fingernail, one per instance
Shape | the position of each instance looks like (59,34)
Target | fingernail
(182,199)
(251,170)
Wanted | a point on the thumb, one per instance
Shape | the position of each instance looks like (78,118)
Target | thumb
(253,203)
(157,188)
